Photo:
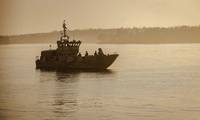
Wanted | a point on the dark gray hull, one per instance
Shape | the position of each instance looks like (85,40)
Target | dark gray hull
(89,63)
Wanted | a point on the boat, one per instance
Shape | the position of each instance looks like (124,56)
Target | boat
(68,58)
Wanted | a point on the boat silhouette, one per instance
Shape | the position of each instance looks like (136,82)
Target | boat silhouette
(67,57)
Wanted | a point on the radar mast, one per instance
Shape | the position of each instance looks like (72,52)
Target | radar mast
(65,31)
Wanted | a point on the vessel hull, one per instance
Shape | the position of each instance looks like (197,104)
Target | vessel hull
(86,63)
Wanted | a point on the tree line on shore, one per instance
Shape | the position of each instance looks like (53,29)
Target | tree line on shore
(180,34)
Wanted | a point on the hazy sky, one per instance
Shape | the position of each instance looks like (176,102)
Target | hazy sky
(32,16)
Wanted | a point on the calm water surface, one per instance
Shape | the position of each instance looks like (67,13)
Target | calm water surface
(146,82)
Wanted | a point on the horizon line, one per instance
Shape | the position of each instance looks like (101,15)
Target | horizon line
(134,27)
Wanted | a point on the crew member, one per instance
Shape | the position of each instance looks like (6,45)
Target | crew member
(86,53)
(100,51)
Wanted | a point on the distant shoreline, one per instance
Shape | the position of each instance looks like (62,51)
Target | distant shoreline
(182,34)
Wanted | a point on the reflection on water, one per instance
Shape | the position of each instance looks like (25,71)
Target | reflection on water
(62,99)
(146,82)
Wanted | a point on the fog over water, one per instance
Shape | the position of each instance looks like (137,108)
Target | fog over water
(146,82)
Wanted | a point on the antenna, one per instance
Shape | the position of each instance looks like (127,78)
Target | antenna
(64,28)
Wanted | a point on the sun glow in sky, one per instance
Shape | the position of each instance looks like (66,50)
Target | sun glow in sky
(33,16)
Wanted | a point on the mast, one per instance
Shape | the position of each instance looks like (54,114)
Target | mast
(64,29)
